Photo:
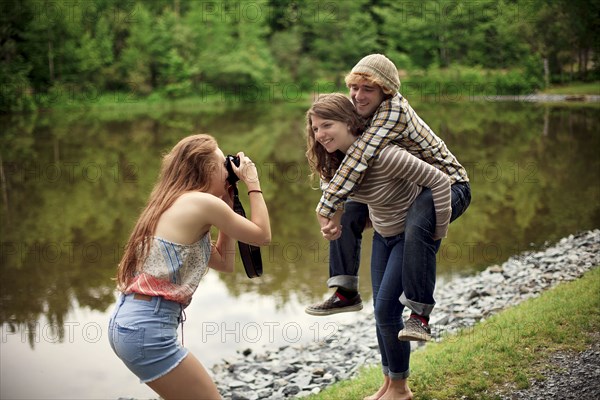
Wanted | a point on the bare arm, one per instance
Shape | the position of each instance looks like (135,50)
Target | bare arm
(232,227)
(222,255)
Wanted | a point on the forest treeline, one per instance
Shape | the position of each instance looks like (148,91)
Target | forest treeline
(80,50)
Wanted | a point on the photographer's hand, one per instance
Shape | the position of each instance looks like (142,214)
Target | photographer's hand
(247,172)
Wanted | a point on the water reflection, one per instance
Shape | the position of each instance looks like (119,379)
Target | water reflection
(73,184)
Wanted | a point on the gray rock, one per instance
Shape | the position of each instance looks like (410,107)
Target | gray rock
(240,395)
(279,383)
(291,390)
(235,384)
(303,379)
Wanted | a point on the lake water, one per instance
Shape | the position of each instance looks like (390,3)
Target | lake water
(74,182)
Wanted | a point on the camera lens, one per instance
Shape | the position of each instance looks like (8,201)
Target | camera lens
(232,178)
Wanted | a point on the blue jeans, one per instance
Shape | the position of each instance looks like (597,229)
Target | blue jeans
(420,249)
(344,253)
(386,276)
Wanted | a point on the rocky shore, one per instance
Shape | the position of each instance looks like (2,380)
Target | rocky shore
(300,370)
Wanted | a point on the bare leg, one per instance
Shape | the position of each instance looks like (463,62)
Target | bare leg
(189,380)
(381,391)
(397,390)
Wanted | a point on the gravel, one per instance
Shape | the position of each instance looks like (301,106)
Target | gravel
(567,375)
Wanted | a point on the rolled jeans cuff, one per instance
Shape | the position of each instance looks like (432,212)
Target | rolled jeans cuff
(419,308)
(385,369)
(348,282)
(398,375)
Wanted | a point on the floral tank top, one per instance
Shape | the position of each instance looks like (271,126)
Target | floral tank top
(172,270)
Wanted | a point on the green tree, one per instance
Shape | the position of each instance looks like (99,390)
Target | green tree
(232,54)
(15,86)
(343,34)
(141,55)
(95,53)
(564,34)
(57,51)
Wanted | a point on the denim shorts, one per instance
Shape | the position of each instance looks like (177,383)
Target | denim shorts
(143,334)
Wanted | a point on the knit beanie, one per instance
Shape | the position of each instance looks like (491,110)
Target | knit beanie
(381,68)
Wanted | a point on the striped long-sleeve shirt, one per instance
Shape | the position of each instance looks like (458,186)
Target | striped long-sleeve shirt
(393,122)
(391,185)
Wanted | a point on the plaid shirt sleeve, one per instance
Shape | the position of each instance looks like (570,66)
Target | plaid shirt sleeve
(385,127)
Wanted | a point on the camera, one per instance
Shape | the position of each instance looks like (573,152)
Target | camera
(232,178)
(250,254)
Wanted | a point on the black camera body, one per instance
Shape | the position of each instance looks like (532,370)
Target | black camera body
(250,254)
(232,178)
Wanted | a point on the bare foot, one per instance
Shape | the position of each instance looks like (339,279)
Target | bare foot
(397,394)
(377,395)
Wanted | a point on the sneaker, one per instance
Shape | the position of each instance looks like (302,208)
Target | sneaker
(416,330)
(335,305)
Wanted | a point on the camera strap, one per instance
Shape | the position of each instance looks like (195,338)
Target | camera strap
(250,254)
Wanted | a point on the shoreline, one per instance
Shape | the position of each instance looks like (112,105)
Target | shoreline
(541,98)
(116,102)
(300,370)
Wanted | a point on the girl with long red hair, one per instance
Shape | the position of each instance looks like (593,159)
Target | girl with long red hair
(167,255)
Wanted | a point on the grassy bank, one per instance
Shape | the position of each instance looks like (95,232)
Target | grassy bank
(577,88)
(437,85)
(507,349)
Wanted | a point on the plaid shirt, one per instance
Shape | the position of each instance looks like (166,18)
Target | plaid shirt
(394,121)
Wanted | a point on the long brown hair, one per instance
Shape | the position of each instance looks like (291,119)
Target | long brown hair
(337,107)
(187,167)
